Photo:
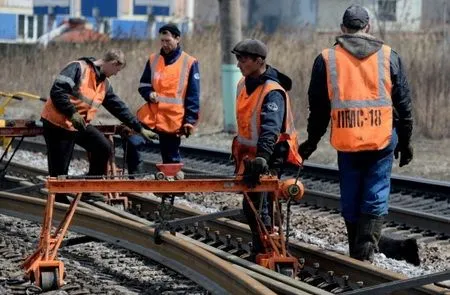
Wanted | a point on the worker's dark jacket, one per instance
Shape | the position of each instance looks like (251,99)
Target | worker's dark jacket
(272,114)
(60,91)
(360,46)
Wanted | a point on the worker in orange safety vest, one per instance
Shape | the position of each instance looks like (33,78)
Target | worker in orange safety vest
(77,93)
(360,84)
(170,85)
(266,137)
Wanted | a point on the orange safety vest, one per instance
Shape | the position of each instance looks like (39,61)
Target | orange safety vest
(170,83)
(360,94)
(87,97)
(248,115)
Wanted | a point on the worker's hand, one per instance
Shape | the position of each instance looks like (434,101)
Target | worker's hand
(253,170)
(148,134)
(78,121)
(153,97)
(188,129)
(406,153)
(306,148)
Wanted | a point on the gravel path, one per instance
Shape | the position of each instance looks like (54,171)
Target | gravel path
(92,267)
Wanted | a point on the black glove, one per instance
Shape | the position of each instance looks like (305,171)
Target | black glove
(306,148)
(253,170)
(406,153)
(78,121)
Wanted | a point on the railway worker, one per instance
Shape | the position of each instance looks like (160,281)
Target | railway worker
(77,93)
(360,84)
(170,85)
(266,138)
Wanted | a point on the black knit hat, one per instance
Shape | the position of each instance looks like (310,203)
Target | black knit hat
(355,17)
(172,28)
(251,47)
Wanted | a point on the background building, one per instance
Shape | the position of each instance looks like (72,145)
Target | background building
(27,20)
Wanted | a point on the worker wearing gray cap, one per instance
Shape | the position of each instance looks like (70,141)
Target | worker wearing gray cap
(361,85)
(266,139)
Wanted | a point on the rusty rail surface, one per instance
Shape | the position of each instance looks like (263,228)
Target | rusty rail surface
(204,268)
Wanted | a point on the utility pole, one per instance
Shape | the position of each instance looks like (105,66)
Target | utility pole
(230,34)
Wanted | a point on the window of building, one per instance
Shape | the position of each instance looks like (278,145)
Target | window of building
(21,26)
(31,27)
(387,10)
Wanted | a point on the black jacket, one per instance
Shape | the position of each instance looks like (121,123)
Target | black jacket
(360,46)
(272,115)
(64,87)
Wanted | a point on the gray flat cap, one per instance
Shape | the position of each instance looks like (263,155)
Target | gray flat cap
(250,47)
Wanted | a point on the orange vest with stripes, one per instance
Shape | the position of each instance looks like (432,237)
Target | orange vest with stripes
(87,97)
(248,116)
(360,94)
(170,83)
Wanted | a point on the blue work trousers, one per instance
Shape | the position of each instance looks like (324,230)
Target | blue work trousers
(169,147)
(365,181)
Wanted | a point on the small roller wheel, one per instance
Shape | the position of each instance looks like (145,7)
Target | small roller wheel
(119,206)
(286,270)
(160,176)
(49,279)
(179,175)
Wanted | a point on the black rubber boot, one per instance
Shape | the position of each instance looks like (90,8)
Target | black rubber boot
(368,233)
(351,235)
(400,249)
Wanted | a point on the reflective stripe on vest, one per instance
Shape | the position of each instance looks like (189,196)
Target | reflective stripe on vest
(179,93)
(252,142)
(248,111)
(170,82)
(360,97)
(86,106)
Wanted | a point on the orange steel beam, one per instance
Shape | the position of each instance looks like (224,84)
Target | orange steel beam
(57,185)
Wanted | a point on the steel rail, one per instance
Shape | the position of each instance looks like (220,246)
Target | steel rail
(202,267)
(341,264)
(298,249)
(326,171)
(412,218)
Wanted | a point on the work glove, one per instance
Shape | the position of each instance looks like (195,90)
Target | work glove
(153,97)
(148,134)
(306,148)
(406,153)
(78,121)
(253,170)
(188,129)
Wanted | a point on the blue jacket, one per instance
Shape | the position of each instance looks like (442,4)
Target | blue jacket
(192,99)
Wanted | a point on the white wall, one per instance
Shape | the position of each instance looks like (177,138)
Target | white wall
(408,14)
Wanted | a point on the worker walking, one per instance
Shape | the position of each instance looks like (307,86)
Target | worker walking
(266,139)
(170,85)
(77,93)
(361,85)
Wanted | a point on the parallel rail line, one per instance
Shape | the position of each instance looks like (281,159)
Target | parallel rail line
(327,259)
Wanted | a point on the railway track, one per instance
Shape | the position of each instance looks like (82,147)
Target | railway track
(319,264)
(417,205)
